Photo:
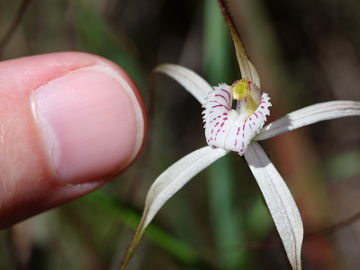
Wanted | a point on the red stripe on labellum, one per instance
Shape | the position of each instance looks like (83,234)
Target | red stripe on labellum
(228,94)
(221,105)
(219,95)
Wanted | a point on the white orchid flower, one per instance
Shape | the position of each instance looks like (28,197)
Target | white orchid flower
(238,127)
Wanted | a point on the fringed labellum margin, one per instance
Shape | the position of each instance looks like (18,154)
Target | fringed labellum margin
(233,129)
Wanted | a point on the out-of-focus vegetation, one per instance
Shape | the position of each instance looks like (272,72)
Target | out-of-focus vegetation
(306,52)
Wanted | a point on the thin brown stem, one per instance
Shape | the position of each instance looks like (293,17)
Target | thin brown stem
(309,236)
(334,228)
(14,25)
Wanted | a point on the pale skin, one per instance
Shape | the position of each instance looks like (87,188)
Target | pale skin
(69,122)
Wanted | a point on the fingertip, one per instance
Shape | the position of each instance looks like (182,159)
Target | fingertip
(79,121)
(90,122)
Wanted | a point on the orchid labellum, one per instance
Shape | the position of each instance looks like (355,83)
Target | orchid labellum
(233,129)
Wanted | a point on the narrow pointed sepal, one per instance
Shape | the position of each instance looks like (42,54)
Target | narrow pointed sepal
(191,81)
(310,115)
(167,184)
(247,69)
(280,202)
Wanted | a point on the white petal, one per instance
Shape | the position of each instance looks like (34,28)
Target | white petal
(281,204)
(192,82)
(309,115)
(176,176)
(227,129)
(168,183)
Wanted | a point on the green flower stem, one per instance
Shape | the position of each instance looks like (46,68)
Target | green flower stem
(154,234)
(228,238)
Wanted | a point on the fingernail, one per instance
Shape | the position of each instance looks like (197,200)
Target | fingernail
(90,122)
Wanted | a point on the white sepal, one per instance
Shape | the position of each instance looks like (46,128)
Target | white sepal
(226,128)
(191,81)
(167,184)
(280,202)
(310,115)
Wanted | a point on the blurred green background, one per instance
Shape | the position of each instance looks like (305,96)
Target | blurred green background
(306,52)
